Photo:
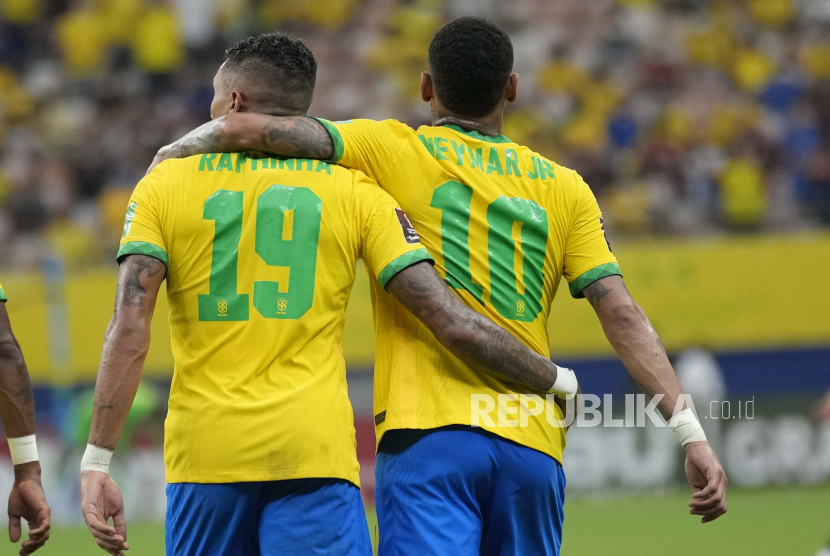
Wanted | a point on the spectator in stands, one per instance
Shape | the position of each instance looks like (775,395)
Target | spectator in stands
(687,117)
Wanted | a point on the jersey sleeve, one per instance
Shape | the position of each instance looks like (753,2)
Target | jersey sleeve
(588,255)
(142,226)
(389,242)
(370,146)
(2,293)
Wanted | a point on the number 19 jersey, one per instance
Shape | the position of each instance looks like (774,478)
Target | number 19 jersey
(260,257)
(503,224)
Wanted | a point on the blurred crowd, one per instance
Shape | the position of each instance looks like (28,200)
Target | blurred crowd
(684,116)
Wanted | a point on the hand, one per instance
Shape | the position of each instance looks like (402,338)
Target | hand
(27,501)
(100,500)
(163,154)
(706,476)
(823,412)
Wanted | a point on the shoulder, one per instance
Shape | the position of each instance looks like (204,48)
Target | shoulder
(379,127)
(367,196)
(354,181)
(566,179)
(173,165)
(170,169)
(569,178)
(358,194)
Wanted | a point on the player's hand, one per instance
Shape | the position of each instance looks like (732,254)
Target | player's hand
(162,155)
(708,480)
(27,501)
(100,500)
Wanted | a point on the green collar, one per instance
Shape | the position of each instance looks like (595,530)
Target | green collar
(479,136)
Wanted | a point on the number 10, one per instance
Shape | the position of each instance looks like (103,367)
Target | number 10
(516,240)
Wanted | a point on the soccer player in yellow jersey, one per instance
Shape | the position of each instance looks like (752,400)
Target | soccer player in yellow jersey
(17,413)
(456,474)
(259,255)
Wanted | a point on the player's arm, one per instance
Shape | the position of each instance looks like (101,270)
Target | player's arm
(823,412)
(17,412)
(291,136)
(638,346)
(125,347)
(469,335)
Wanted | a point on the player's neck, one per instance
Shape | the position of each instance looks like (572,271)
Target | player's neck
(489,125)
(272,110)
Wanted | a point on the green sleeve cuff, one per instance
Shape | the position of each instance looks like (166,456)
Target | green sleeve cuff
(142,248)
(405,260)
(586,279)
(336,138)
(2,295)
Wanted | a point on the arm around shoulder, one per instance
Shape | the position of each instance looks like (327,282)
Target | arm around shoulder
(291,136)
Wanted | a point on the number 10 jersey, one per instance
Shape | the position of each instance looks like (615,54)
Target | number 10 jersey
(503,224)
(260,256)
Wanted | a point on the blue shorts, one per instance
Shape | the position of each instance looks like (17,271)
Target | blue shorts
(290,518)
(460,491)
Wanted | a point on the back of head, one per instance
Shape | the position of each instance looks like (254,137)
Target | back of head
(276,72)
(470,60)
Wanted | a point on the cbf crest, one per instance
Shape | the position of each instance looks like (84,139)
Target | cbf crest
(128,221)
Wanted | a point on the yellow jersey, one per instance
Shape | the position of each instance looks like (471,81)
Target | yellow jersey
(260,256)
(2,293)
(503,224)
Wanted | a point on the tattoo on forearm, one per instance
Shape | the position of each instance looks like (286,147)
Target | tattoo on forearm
(500,351)
(292,136)
(595,293)
(298,137)
(206,138)
(100,407)
(475,338)
(132,289)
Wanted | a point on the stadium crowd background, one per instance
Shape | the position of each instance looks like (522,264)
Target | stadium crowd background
(685,116)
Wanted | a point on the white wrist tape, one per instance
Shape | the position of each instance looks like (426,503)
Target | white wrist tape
(96,459)
(565,384)
(23,449)
(686,427)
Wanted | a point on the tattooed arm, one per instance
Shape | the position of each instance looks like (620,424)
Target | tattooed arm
(125,347)
(17,406)
(292,136)
(635,341)
(469,335)
(17,412)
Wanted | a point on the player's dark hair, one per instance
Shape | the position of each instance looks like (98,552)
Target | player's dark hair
(283,68)
(470,60)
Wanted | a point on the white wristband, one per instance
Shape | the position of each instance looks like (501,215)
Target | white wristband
(23,449)
(686,427)
(96,459)
(565,384)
